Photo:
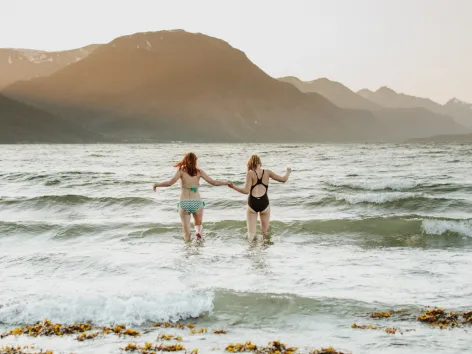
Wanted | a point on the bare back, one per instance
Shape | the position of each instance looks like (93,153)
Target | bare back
(188,183)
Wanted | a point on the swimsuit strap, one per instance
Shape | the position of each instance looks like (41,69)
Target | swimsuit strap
(259,181)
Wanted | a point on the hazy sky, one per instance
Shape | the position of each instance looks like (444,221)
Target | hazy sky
(420,47)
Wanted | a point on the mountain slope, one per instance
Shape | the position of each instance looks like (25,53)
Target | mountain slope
(174,85)
(22,123)
(398,122)
(460,111)
(387,97)
(454,138)
(24,64)
(334,91)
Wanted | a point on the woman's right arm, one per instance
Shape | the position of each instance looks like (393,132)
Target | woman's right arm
(169,182)
(247,185)
(283,178)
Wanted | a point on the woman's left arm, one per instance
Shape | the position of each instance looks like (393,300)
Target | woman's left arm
(212,181)
(169,182)
(278,178)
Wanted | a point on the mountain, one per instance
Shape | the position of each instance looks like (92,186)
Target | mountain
(453,138)
(387,97)
(460,110)
(417,122)
(24,64)
(334,91)
(175,85)
(399,121)
(20,123)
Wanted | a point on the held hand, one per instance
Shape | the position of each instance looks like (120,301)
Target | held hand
(230,184)
(154,187)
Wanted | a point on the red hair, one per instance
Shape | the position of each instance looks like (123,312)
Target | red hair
(188,164)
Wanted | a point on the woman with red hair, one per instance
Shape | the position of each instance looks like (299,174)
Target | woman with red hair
(190,201)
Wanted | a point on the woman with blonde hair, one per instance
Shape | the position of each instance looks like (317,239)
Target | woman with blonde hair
(190,200)
(257,185)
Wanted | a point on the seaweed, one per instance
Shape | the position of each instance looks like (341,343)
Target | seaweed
(148,348)
(439,318)
(23,350)
(329,350)
(274,347)
(169,337)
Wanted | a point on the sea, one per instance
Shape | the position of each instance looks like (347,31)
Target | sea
(357,229)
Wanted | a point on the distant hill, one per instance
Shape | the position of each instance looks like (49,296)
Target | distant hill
(24,64)
(334,91)
(455,138)
(398,122)
(20,123)
(175,85)
(460,110)
(387,97)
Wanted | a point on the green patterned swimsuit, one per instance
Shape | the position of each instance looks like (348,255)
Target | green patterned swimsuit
(191,206)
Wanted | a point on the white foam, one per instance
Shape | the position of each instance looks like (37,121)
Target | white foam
(9,59)
(376,185)
(439,227)
(102,310)
(377,198)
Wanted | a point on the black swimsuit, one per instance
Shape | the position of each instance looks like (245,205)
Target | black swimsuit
(258,204)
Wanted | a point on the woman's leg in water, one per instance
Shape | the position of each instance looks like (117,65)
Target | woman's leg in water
(265,220)
(251,219)
(185,218)
(198,221)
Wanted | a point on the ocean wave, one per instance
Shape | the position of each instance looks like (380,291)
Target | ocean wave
(278,305)
(399,185)
(379,226)
(380,198)
(64,175)
(441,227)
(47,201)
(399,200)
(142,309)
(134,309)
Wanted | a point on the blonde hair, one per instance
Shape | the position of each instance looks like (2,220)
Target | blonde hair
(253,161)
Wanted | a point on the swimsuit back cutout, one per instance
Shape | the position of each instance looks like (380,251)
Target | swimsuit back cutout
(261,203)
(259,182)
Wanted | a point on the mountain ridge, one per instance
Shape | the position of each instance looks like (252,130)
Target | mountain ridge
(21,123)
(18,64)
(176,85)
